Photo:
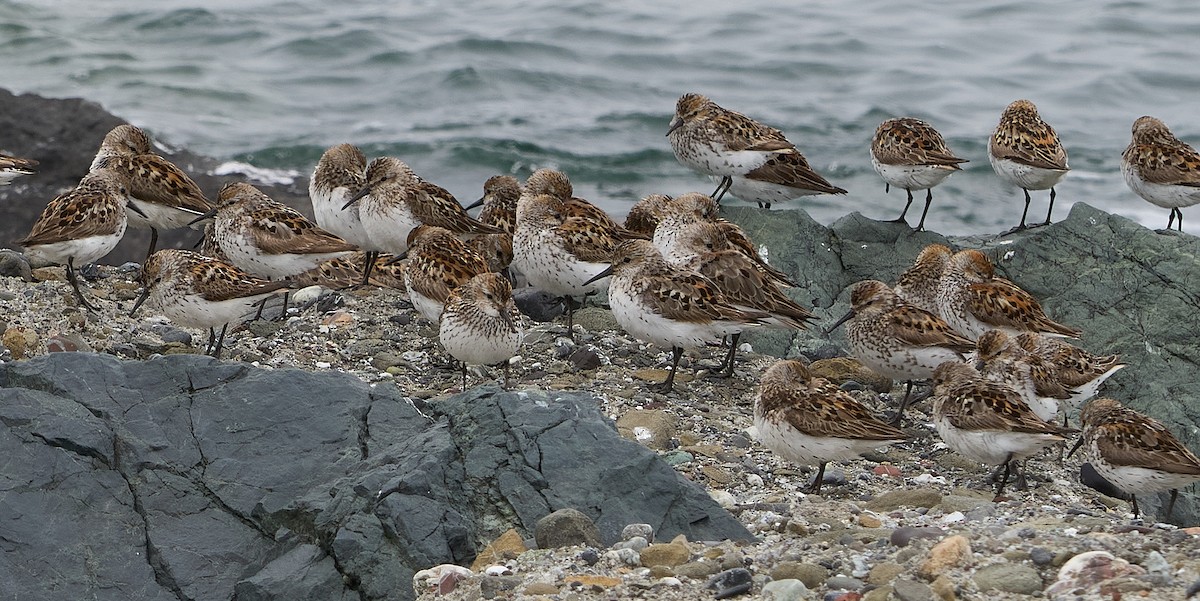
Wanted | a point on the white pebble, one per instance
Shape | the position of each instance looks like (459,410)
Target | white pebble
(723,498)
(323,365)
(497,571)
(951,518)
(928,478)
(642,433)
(754,480)
(670,581)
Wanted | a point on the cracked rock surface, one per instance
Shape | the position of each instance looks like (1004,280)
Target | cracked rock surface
(182,477)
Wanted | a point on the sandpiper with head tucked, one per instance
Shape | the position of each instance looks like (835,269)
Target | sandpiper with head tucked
(81,225)
(1078,370)
(478,325)
(998,357)
(13,167)
(973,300)
(437,263)
(986,421)
(1025,152)
(164,196)
(1161,168)
(270,239)
(896,339)
(394,201)
(755,162)
(910,154)
(196,291)
(1136,453)
(809,420)
(669,306)
(919,283)
(339,174)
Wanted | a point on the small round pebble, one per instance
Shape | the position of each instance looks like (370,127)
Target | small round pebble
(731,583)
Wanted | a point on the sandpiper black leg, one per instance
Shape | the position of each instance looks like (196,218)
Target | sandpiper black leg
(928,201)
(669,383)
(507,369)
(908,386)
(1024,213)
(212,341)
(1004,480)
(1133,500)
(722,187)
(1171,504)
(815,487)
(726,369)
(1051,211)
(153,241)
(75,285)
(220,342)
(904,213)
(369,265)
(464,375)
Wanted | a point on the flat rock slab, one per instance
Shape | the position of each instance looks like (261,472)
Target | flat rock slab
(185,477)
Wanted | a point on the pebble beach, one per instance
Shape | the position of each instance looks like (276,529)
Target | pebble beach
(909,522)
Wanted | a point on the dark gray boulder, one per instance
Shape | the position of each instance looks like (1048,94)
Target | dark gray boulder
(1132,290)
(186,478)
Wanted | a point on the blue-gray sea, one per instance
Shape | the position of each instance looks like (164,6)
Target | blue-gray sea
(465,90)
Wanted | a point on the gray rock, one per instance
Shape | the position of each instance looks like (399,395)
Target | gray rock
(910,590)
(902,536)
(645,531)
(564,528)
(585,359)
(538,305)
(494,586)
(844,583)
(1008,577)
(1041,556)
(221,478)
(14,265)
(785,590)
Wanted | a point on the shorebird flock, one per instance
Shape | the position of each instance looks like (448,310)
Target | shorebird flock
(675,274)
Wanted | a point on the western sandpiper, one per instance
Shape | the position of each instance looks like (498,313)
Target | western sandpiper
(1025,152)
(13,167)
(919,283)
(809,420)
(669,306)
(499,202)
(395,200)
(986,421)
(81,225)
(160,190)
(898,340)
(910,154)
(339,174)
(754,162)
(740,279)
(1036,380)
(973,300)
(270,239)
(196,291)
(1080,371)
(1136,453)
(1161,168)
(478,325)
(438,262)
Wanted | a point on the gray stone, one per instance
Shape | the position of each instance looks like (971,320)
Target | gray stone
(494,586)
(585,359)
(1008,577)
(538,305)
(785,590)
(14,265)
(220,478)
(645,531)
(910,590)
(844,583)
(564,528)
(1041,556)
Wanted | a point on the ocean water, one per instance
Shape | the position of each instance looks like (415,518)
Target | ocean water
(462,91)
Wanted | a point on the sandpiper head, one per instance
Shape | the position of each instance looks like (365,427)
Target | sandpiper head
(1021,108)
(692,206)
(490,292)
(691,104)
(990,344)
(344,156)
(1097,410)
(1148,130)
(934,256)
(972,264)
(702,237)
(871,295)
(787,372)
(551,182)
(630,254)
(125,140)
(953,372)
(108,179)
(238,192)
(543,209)
(502,188)
(426,234)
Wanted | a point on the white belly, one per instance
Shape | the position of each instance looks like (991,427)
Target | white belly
(387,226)
(485,343)
(1167,196)
(192,311)
(81,251)
(752,190)
(1026,176)
(646,325)
(549,267)
(992,446)
(1139,480)
(159,216)
(716,159)
(344,223)
(797,447)
(912,177)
